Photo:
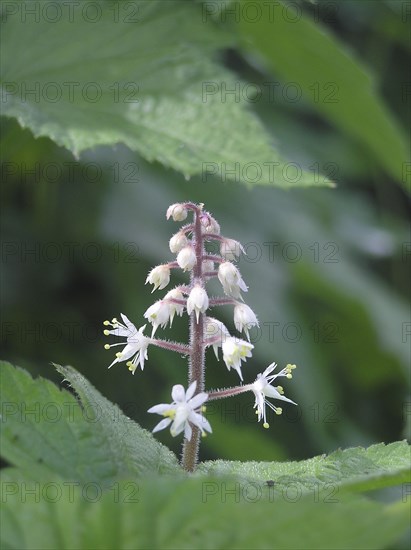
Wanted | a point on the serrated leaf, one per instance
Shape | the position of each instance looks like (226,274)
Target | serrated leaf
(329,77)
(45,430)
(356,468)
(172,513)
(148,81)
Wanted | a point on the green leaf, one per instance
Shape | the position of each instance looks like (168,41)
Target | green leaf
(189,513)
(48,431)
(329,76)
(357,468)
(145,78)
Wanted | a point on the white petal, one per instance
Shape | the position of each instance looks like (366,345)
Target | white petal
(269,369)
(120,332)
(198,400)
(178,393)
(188,432)
(127,322)
(161,408)
(179,422)
(199,420)
(128,351)
(116,360)
(191,390)
(162,424)
(274,394)
(237,367)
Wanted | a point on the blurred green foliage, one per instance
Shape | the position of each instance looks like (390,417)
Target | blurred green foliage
(328,270)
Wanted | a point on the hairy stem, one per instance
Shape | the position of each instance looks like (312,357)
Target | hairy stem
(197,352)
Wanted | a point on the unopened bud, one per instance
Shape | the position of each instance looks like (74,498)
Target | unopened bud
(209,224)
(177,211)
(178,242)
(159,276)
(197,301)
(231,249)
(231,280)
(208,265)
(186,258)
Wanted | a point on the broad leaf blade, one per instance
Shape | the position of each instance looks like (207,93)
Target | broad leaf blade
(170,513)
(45,430)
(148,81)
(125,439)
(330,78)
(357,468)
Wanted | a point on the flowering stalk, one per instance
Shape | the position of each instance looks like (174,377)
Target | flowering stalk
(196,361)
(184,413)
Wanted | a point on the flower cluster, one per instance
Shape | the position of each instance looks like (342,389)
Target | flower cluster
(191,246)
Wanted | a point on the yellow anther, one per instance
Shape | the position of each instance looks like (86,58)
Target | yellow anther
(203,435)
(106,332)
(106,323)
(131,367)
(114,320)
(203,408)
(119,354)
(280,390)
(106,346)
(266,425)
(289,375)
(278,410)
(129,364)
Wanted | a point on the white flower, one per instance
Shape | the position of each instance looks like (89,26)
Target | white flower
(215,333)
(231,280)
(177,211)
(235,351)
(182,412)
(177,242)
(174,308)
(135,346)
(262,389)
(197,301)
(244,318)
(158,315)
(231,249)
(159,276)
(186,258)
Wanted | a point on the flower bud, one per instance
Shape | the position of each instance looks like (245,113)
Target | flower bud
(177,211)
(209,224)
(235,351)
(197,301)
(158,314)
(174,308)
(177,242)
(244,318)
(159,276)
(215,333)
(231,280)
(208,265)
(186,258)
(231,249)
